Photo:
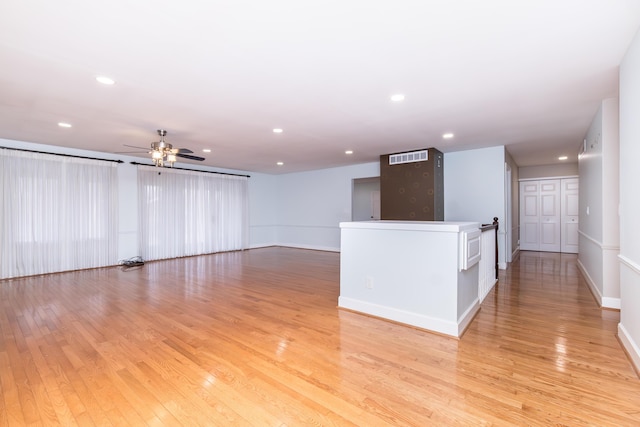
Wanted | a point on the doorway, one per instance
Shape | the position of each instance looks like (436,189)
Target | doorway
(365,199)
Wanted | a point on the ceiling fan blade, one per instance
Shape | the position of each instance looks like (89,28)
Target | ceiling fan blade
(133,146)
(131,152)
(181,151)
(187,156)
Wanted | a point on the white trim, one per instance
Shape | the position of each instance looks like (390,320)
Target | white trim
(442,326)
(312,247)
(631,264)
(599,243)
(548,177)
(613,303)
(263,245)
(467,317)
(629,345)
(603,302)
(590,282)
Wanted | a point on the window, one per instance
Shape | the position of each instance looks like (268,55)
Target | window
(58,213)
(183,213)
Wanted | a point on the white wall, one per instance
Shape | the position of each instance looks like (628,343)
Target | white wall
(598,202)
(629,327)
(474,189)
(549,171)
(514,228)
(263,210)
(312,204)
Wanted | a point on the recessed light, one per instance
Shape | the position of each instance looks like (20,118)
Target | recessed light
(277,130)
(105,80)
(64,125)
(206,150)
(280,163)
(562,158)
(397,97)
(447,135)
(348,152)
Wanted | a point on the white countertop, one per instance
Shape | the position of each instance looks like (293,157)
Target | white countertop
(437,226)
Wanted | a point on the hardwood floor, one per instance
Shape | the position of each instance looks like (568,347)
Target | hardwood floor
(255,338)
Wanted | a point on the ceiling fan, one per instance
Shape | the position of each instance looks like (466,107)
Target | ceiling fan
(163,153)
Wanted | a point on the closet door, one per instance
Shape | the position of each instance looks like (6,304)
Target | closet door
(540,215)
(550,215)
(570,215)
(529,216)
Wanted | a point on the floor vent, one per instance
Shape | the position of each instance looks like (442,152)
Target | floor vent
(414,156)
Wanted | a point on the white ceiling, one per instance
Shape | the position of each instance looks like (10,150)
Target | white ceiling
(528,74)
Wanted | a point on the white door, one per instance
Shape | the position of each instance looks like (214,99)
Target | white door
(540,215)
(550,215)
(570,215)
(375,205)
(529,216)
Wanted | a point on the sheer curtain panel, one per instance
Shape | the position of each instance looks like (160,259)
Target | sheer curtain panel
(185,213)
(58,213)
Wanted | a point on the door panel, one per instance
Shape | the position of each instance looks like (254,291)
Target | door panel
(529,216)
(540,215)
(569,215)
(550,215)
(549,235)
(530,235)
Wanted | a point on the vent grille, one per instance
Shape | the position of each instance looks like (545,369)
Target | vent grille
(414,156)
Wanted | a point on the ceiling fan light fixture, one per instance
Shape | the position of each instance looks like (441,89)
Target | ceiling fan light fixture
(162,152)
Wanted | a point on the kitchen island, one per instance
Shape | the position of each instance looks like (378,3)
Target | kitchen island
(420,273)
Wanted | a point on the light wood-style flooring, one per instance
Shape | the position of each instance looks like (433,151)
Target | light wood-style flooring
(254,338)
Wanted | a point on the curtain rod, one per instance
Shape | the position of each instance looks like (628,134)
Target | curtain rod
(60,154)
(193,170)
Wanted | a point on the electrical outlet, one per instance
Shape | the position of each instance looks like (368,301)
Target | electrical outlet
(368,282)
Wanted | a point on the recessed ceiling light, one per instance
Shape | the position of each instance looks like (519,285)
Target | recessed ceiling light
(280,163)
(64,125)
(397,97)
(206,150)
(277,130)
(348,152)
(562,158)
(448,135)
(105,80)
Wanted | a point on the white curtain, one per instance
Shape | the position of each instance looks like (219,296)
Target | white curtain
(58,213)
(183,213)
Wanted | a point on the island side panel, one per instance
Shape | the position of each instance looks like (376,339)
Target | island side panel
(404,275)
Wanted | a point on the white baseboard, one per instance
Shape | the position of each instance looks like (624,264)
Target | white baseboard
(592,285)
(631,347)
(442,326)
(603,302)
(465,320)
(262,245)
(312,247)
